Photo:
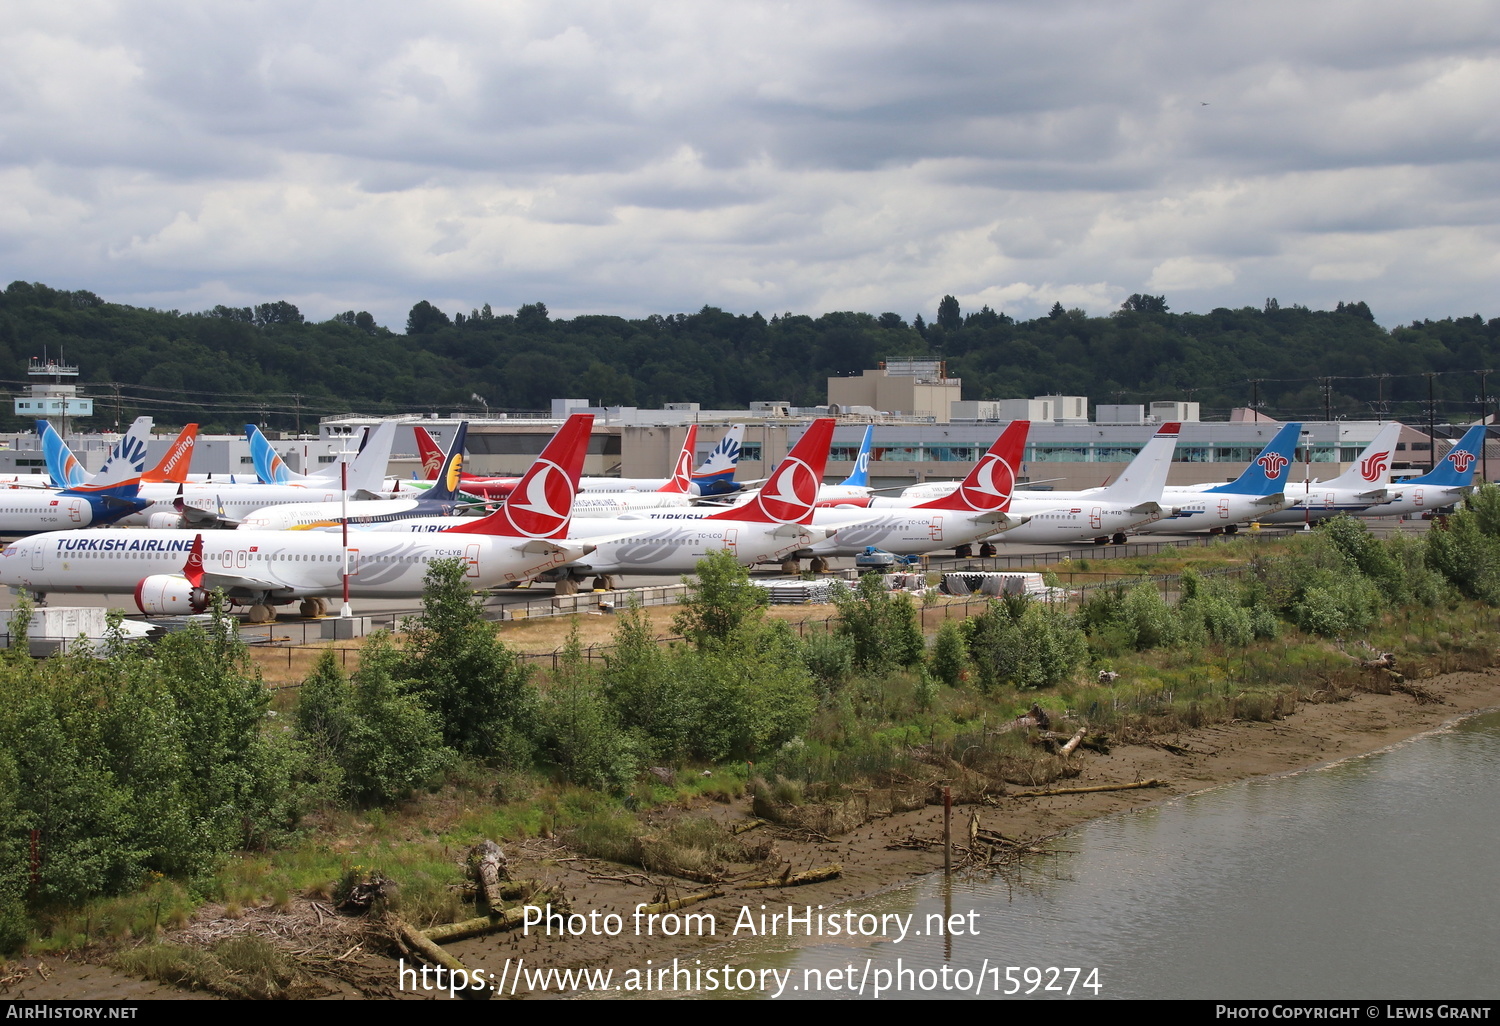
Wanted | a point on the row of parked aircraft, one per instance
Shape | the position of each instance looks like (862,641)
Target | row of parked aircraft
(541,533)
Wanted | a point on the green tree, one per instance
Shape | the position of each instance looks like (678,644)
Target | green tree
(949,316)
(723,607)
(482,694)
(882,627)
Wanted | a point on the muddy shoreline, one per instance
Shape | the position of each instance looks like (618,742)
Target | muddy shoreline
(1313,735)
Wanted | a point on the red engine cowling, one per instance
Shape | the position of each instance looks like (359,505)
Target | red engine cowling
(168,593)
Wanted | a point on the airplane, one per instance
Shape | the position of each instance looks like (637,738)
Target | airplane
(1104,515)
(62,465)
(1261,489)
(1364,484)
(175,572)
(270,468)
(714,477)
(227,504)
(1055,517)
(1443,485)
(976,510)
(111,495)
(441,500)
(774,524)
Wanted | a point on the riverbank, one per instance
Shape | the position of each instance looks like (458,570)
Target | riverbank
(875,856)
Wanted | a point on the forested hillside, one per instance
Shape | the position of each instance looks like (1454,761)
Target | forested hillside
(268,363)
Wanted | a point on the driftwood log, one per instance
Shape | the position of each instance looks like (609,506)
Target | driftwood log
(423,948)
(1090,790)
(788,879)
(488,863)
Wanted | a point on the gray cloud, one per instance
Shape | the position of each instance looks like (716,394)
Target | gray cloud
(632,157)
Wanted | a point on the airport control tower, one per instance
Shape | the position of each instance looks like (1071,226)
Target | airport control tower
(55,396)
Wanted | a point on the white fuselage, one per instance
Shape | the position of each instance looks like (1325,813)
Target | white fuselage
(29,511)
(305,515)
(1205,511)
(281,565)
(233,501)
(594,505)
(1325,501)
(1079,520)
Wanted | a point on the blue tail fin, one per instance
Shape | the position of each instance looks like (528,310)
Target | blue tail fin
(269,467)
(1456,470)
(62,466)
(445,486)
(120,477)
(861,476)
(1268,472)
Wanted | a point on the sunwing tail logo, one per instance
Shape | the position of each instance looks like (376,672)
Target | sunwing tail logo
(1373,466)
(1461,459)
(1273,463)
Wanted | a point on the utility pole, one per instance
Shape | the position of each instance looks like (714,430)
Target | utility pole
(1431,427)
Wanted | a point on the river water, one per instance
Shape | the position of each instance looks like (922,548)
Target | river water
(1370,878)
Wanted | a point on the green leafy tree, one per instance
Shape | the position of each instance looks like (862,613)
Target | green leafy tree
(723,607)
(882,627)
(482,694)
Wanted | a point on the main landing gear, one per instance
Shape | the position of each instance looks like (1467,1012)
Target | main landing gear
(313,607)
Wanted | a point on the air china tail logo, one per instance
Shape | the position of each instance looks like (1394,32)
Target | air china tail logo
(789,496)
(1373,466)
(542,511)
(1462,459)
(1272,463)
(990,485)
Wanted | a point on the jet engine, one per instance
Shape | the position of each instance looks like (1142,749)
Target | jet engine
(169,593)
(164,521)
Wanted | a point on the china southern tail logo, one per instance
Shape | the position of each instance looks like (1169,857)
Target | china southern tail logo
(1462,459)
(1372,466)
(1273,463)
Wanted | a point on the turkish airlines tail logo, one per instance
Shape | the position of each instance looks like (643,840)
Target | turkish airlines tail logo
(541,505)
(1273,463)
(1462,459)
(682,474)
(989,485)
(1373,466)
(791,494)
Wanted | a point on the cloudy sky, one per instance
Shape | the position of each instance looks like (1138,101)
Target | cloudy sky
(634,158)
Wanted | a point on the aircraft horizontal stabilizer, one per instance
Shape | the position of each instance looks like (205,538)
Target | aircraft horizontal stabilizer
(1147,508)
(1379,493)
(1276,499)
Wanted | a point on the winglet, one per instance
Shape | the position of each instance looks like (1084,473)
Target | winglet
(992,480)
(541,506)
(790,495)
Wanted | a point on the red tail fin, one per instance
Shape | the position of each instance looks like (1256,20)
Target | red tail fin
(173,468)
(791,493)
(682,474)
(431,455)
(989,485)
(542,503)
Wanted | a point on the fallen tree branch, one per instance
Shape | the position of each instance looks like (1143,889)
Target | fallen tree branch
(1090,790)
(787,880)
